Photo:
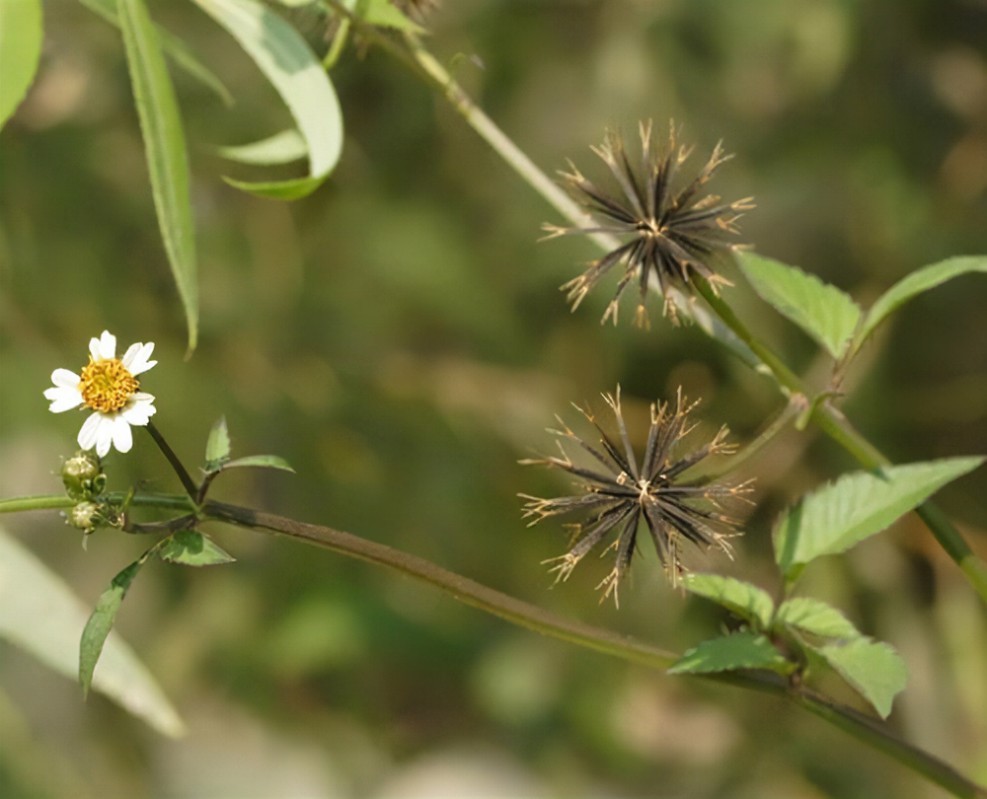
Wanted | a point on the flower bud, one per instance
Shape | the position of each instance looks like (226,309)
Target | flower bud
(85,516)
(82,476)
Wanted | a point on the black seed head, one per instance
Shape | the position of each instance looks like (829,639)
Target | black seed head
(668,229)
(620,494)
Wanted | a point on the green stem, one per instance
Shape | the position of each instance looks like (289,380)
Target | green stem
(187,482)
(532,617)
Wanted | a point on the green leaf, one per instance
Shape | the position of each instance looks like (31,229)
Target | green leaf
(743,599)
(857,506)
(261,461)
(874,669)
(101,621)
(823,311)
(192,548)
(281,148)
(217,445)
(383,14)
(164,147)
(291,67)
(746,650)
(40,614)
(815,617)
(173,47)
(921,280)
(20,51)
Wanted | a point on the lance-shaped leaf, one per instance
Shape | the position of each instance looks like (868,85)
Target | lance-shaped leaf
(823,311)
(20,50)
(857,506)
(281,148)
(192,548)
(745,650)
(173,47)
(812,616)
(260,461)
(743,599)
(874,669)
(101,621)
(917,282)
(292,68)
(40,614)
(164,148)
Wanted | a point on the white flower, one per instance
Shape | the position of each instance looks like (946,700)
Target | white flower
(109,386)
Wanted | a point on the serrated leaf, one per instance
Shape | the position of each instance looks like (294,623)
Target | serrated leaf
(101,622)
(827,314)
(743,599)
(858,505)
(919,281)
(815,617)
(217,445)
(281,148)
(292,68)
(164,148)
(260,461)
(40,614)
(192,548)
(873,668)
(173,47)
(746,650)
(20,51)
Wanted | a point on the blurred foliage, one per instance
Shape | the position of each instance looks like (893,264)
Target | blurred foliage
(399,337)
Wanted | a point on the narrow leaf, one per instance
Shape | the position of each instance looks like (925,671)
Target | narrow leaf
(743,599)
(823,311)
(261,461)
(874,669)
(217,445)
(101,622)
(164,148)
(292,68)
(857,506)
(20,51)
(192,548)
(40,614)
(815,617)
(921,280)
(173,47)
(746,650)
(281,148)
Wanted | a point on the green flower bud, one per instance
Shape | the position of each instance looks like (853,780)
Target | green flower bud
(82,476)
(85,516)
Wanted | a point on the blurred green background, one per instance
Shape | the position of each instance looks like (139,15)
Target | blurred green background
(399,337)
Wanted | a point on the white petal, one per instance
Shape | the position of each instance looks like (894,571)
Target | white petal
(122,439)
(63,378)
(89,435)
(136,358)
(103,348)
(139,410)
(63,399)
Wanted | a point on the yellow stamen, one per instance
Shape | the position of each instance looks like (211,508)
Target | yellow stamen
(107,386)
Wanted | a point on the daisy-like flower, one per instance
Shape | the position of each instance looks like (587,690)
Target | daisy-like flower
(625,493)
(109,387)
(667,233)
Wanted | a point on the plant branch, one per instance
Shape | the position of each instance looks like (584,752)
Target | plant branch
(537,619)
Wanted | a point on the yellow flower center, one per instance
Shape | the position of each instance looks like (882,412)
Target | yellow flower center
(107,386)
